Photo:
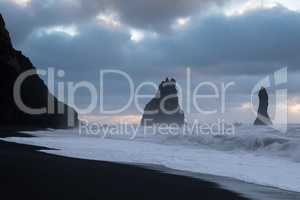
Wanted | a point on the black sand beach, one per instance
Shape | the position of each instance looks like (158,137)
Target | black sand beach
(26,173)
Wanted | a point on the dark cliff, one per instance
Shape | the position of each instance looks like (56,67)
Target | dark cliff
(34,93)
(164,108)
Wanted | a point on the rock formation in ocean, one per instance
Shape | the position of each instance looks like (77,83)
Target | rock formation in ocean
(34,93)
(164,108)
(262,113)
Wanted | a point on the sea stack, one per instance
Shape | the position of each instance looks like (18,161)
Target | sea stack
(164,108)
(33,92)
(262,113)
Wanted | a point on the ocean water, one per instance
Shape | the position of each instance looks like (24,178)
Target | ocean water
(259,155)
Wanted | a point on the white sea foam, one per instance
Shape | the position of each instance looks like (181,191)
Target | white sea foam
(254,154)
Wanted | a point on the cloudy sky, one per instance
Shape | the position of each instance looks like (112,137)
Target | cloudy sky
(220,40)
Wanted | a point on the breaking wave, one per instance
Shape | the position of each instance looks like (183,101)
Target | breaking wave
(258,140)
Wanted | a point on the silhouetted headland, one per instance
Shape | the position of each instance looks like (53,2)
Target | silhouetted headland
(262,113)
(34,93)
(164,108)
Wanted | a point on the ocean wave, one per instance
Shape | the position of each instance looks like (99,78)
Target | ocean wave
(258,140)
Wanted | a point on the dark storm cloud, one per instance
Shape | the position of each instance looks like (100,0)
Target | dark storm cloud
(22,21)
(158,14)
(257,42)
(150,14)
(95,47)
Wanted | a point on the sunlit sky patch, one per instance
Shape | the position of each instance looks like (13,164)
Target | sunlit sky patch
(22,3)
(250,5)
(119,119)
(290,4)
(71,31)
(136,35)
(109,20)
(293,106)
(242,7)
(181,23)
(246,106)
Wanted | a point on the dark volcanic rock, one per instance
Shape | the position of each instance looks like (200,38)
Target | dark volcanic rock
(262,114)
(164,108)
(34,92)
